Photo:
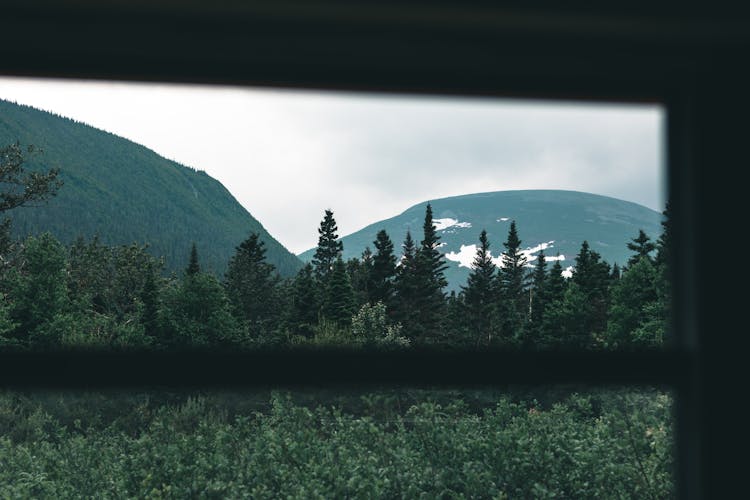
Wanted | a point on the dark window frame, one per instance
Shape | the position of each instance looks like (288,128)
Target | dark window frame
(685,57)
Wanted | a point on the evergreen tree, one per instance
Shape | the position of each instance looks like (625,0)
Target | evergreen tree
(359,273)
(664,243)
(479,293)
(537,300)
(457,329)
(642,246)
(661,312)
(592,277)
(329,248)
(250,283)
(633,297)
(430,281)
(511,285)
(549,334)
(556,282)
(566,321)
(407,301)
(338,305)
(305,304)
(193,267)
(383,271)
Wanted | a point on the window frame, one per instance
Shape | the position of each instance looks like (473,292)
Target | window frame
(682,58)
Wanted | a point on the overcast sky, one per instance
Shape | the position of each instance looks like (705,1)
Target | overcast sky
(288,155)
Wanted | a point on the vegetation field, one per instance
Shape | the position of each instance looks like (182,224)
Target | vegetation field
(387,444)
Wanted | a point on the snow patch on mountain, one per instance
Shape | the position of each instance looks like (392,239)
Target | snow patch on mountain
(443,224)
(568,272)
(503,219)
(465,256)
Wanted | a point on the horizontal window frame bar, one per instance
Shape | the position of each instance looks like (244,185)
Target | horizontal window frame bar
(341,368)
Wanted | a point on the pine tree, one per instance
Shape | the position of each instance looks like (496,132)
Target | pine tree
(329,248)
(549,333)
(537,299)
(383,271)
(592,276)
(338,305)
(407,302)
(193,267)
(479,293)
(303,315)
(642,246)
(663,263)
(556,282)
(430,281)
(511,285)
(664,243)
(458,332)
(359,272)
(250,283)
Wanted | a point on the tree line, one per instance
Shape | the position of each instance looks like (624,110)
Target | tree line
(92,295)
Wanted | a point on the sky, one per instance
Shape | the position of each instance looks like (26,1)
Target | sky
(288,155)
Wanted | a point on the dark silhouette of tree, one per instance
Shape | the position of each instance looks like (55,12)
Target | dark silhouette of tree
(338,305)
(329,248)
(642,246)
(193,266)
(383,271)
(511,287)
(250,283)
(479,293)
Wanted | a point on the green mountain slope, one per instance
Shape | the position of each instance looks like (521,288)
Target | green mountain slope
(127,193)
(557,220)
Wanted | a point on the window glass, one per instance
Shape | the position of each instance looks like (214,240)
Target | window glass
(195,217)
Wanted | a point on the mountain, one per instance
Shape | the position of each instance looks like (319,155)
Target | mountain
(127,193)
(553,220)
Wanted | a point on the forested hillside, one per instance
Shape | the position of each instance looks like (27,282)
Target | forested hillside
(126,193)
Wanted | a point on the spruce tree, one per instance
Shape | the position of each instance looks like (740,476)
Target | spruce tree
(303,315)
(592,276)
(537,299)
(663,263)
(555,282)
(407,301)
(642,246)
(511,285)
(479,293)
(338,305)
(329,248)
(383,271)
(430,281)
(549,333)
(359,272)
(250,283)
(193,267)
(664,243)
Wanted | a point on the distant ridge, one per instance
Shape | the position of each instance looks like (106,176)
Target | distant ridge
(554,220)
(126,193)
